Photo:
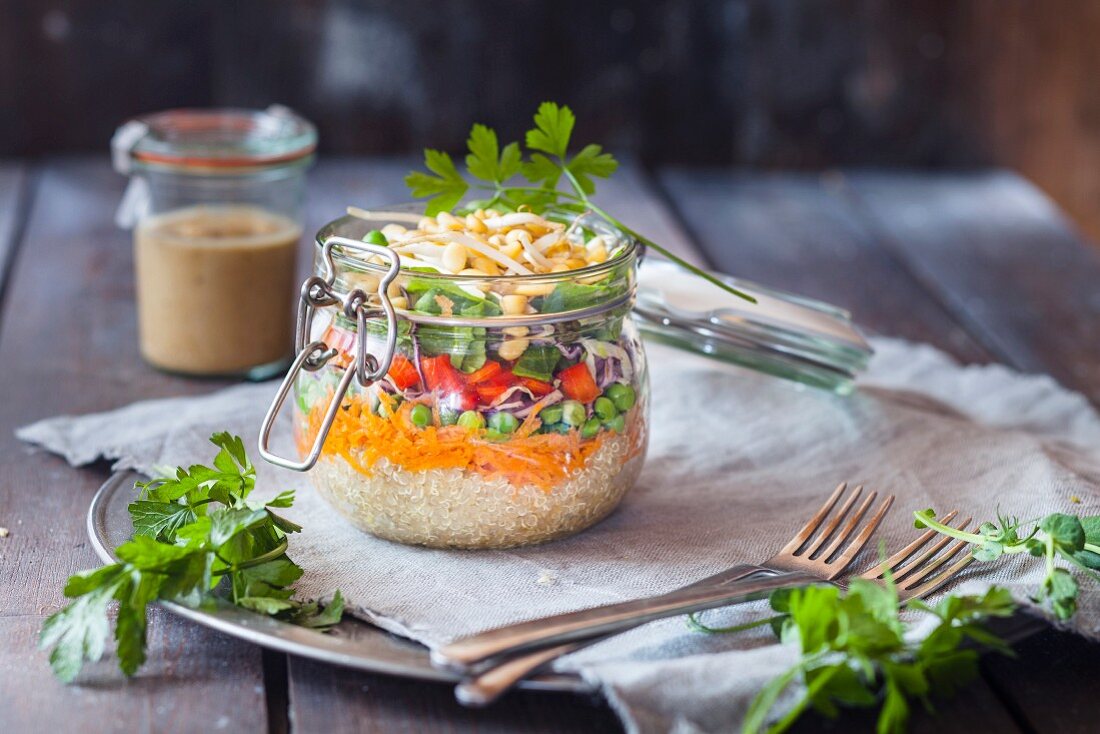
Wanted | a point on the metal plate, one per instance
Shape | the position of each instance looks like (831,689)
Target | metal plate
(352,644)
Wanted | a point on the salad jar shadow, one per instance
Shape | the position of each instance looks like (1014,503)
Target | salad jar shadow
(464,411)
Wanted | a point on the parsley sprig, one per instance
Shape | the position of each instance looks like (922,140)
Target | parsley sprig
(548,162)
(1058,536)
(193,531)
(855,651)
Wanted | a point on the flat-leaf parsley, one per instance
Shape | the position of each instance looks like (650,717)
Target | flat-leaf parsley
(193,531)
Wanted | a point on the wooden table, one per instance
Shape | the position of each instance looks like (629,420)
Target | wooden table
(979,264)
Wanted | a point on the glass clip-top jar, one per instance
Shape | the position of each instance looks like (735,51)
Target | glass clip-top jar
(215,201)
(466,411)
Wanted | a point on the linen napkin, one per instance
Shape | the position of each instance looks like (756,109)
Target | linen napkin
(736,464)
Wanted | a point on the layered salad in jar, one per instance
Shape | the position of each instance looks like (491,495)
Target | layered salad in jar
(514,409)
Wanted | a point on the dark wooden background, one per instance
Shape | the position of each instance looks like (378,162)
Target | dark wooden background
(791,84)
(808,82)
(772,83)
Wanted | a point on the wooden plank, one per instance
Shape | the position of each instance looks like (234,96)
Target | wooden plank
(791,231)
(190,684)
(14,195)
(325,698)
(68,342)
(1005,261)
(1052,682)
(977,708)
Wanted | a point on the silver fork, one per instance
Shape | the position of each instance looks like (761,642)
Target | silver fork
(915,572)
(821,550)
(911,569)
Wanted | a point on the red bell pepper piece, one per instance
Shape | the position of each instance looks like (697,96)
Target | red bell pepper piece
(492,388)
(577,383)
(489,370)
(440,374)
(538,388)
(403,372)
(442,378)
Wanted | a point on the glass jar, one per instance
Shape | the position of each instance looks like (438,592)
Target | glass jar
(462,411)
(215,201)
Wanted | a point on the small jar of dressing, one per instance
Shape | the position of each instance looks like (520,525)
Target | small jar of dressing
(215,202)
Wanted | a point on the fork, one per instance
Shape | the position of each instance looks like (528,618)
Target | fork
(911,570)
(821,550)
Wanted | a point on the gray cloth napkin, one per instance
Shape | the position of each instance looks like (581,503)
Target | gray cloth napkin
(737,462)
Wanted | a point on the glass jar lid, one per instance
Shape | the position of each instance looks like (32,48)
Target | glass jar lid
(213,140)
(783,335)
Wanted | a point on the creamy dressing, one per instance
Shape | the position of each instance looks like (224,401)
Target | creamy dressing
(214,288)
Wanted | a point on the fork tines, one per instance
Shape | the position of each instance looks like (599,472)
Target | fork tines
(918,572)
(817,534)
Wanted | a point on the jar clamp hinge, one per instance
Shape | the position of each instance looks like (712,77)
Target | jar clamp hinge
(319,292)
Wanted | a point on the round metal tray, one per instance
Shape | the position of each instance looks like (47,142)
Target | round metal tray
(352,644)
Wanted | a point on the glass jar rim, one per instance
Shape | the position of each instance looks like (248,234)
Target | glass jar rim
(334,227)
(225,140)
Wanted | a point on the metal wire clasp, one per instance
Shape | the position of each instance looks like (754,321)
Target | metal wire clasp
(319,292)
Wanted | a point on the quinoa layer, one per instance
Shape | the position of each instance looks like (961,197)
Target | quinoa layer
(452,508)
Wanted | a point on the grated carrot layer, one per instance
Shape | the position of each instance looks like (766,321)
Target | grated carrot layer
(361,438)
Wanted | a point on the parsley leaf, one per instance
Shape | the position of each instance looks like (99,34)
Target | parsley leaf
(192,529)
(446,187)
(855,652)
(483,161)
(553,128)
(591,161)
(547,163)
(541,170)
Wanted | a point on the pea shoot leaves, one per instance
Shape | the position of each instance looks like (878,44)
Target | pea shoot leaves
(1058,536)
(192,529)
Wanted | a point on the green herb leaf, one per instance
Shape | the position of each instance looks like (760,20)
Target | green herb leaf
(1060,590)
(541,170)
(79,631)
(159,520)
(855,651)
(486,161)
(553,128)
(591,161)
(547,163)
(313,616)
(446,188)
(1091,526)
(1066,530)
(1056,536)
(283,499)
(191,529)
